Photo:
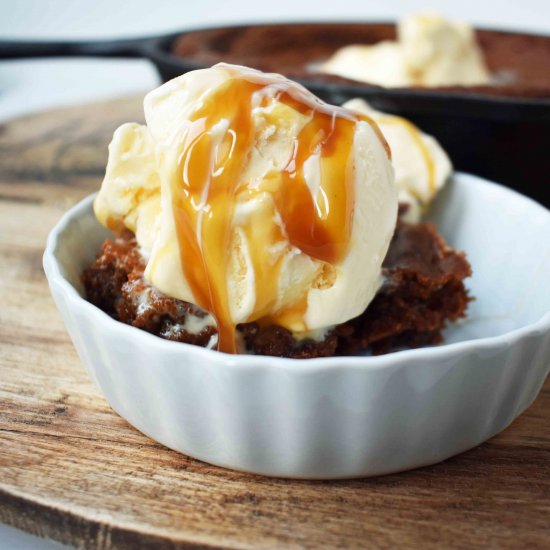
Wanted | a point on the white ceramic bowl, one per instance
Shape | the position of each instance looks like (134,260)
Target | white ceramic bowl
(343,416)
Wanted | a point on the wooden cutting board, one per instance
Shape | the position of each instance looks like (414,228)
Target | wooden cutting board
(72,470)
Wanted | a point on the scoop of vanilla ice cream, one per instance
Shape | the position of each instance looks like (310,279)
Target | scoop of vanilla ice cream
(144,180)
(430,51)
(381,63)
(131,198)
(421,165)
(438,52)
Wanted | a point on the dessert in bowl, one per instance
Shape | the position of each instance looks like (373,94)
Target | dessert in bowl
(262,220)
(331,417)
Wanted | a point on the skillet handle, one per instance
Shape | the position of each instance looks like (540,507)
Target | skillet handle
(18,49)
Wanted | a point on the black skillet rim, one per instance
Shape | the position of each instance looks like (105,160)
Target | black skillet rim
(422,101)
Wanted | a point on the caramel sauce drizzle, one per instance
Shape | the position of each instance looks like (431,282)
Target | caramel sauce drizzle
(210,182)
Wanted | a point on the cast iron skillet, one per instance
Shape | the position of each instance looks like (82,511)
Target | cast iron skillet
(506,139)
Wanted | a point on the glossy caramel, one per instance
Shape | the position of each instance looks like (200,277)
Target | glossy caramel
(211,182)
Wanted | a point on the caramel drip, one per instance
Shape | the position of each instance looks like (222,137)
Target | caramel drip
(211,179)
(320,226)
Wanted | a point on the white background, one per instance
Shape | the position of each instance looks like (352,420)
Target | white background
(27,86)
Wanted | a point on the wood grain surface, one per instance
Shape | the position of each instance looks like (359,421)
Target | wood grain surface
(72,470)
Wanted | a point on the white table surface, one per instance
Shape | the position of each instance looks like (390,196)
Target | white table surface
(34,85)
